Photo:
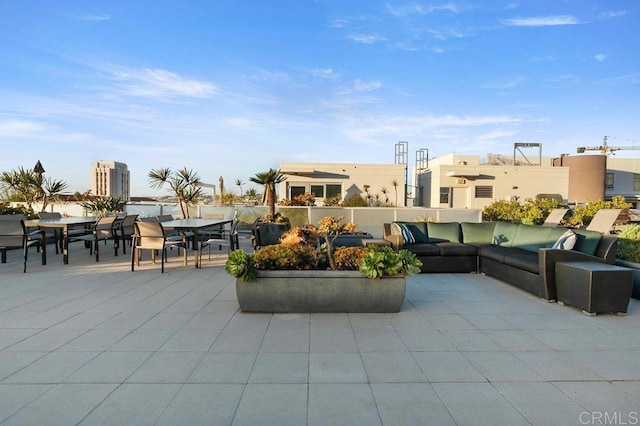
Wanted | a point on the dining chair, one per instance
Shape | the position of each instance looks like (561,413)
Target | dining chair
(54,234)
(102,230)
(151,236)
(124,232)
(229,240)
(14,235)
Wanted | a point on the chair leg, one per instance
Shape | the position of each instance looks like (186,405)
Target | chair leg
(97,250)
(44,251)
(24,258)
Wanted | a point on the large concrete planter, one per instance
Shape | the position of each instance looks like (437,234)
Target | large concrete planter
(636,276)
(320,291)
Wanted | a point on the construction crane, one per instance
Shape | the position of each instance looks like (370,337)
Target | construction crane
(605,148)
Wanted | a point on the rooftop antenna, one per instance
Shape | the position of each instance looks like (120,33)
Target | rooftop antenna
(402,157)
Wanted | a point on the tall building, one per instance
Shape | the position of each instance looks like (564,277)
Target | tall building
(110,179)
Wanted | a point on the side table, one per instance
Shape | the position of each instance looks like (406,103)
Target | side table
(594,287)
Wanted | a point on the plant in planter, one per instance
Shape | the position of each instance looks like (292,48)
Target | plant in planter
(298,251)
(628,254)
(269,179)
(330,228)
(293,276)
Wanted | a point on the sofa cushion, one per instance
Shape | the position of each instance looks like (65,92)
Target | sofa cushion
(477,233)
(403,230)
(417,231)
(532,237)
(566,241)
(493,252)
(448,231)
(456,249)
(587,241)
(504,233)
(423,249)
(523,259)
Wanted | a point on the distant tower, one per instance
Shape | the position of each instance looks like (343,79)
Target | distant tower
(110,179)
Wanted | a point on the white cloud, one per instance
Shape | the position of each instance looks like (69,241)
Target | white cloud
(505,84)
(543,21)
(96,17)
(613,14)
(158,83)
(366,38)
(20,129)
(600,57)
(366,86)
(421,9)
(264,75)
(325,73)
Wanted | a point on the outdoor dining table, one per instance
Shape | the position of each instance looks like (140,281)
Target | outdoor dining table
(194,225)
(65,224)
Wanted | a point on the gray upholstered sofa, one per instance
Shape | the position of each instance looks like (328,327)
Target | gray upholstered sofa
(521,255)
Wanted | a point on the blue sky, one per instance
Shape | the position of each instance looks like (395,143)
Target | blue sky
(232,88)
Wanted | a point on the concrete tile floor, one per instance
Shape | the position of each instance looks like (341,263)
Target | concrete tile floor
(93,343)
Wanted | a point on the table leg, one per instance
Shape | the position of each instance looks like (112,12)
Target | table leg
(196,248)
(65,245)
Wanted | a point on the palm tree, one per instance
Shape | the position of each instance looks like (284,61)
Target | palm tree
(184,183)
(394,183)
(239,183)
(31,187)
(269,179)
(251,194)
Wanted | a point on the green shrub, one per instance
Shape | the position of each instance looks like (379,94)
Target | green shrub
(348,258)
(241,265)
(583,214)
(380,261)
(27,212)
(629,243)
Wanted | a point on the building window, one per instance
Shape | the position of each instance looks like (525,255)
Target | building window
(484,191)
(444,195)
(317,191)
(296,190)
(636,182)
(610,181)
(333,191)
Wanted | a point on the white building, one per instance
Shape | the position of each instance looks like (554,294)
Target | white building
(110,179)
(460,181)
(344,180)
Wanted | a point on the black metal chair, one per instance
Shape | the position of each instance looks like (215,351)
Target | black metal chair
(103,230)
(151,236)
(14,235)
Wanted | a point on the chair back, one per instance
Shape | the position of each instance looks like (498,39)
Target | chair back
(149,235)
(12,232)
(126,224)
(17,216)
(217,216)
(164,217)
(148,219)
(47,215)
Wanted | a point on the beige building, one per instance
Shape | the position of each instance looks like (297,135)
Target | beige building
(327,180)
(623,178)
(460,181)
(110,179)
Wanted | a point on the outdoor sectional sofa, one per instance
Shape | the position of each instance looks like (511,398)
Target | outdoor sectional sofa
(521,255)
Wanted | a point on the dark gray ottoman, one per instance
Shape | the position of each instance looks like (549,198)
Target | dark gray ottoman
(594,287)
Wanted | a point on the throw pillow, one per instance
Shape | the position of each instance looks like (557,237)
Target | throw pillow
(566,241)
(403,229)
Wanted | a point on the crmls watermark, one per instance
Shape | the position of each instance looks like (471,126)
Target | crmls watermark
(609,418)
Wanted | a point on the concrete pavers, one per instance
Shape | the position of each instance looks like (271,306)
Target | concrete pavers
(89,343)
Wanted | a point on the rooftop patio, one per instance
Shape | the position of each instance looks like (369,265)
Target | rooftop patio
(89,343)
